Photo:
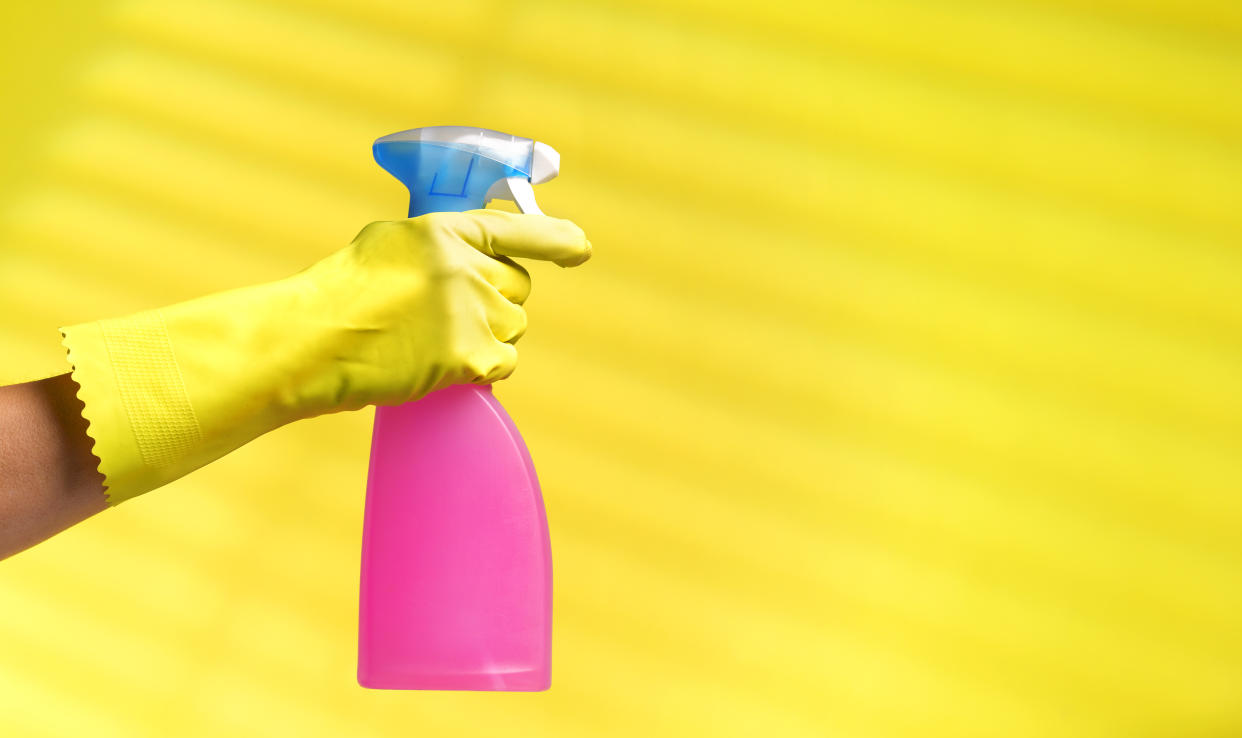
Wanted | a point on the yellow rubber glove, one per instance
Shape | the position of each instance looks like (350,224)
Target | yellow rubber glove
(407,308)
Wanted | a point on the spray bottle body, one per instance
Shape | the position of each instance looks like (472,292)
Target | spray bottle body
(456,586)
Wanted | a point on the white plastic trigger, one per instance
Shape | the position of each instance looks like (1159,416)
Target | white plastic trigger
(518,190)
(523,195)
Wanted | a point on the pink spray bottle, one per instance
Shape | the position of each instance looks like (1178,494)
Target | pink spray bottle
(456,588)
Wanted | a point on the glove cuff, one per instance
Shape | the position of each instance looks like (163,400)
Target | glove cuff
(135,401)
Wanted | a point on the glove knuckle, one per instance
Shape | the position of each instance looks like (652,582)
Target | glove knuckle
(426,233)
(479,367)
(435,225)
(520,323)
(488,363)
(379,228)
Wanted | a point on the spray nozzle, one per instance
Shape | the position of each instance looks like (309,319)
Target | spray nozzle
(461,167)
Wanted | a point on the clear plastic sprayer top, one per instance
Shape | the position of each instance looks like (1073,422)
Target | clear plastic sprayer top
(461,167)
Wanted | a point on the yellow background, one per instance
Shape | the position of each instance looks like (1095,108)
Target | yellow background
(903,396)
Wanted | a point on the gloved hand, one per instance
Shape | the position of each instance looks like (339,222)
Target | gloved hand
(407,308)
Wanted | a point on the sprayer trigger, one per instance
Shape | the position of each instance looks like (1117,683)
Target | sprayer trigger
(516,189)
(523,195)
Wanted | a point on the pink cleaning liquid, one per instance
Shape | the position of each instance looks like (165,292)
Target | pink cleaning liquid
(456,559)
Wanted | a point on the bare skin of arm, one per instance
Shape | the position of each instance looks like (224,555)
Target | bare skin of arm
(48,475)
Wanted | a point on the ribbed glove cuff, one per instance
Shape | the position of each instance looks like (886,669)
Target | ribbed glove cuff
(136,405)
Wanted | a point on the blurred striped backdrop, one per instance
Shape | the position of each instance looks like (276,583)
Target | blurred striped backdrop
(903,396)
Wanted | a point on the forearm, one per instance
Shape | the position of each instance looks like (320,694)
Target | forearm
(48,475)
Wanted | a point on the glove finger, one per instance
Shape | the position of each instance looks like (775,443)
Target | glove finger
(500,233)
(493,363)
(508,277)
(506,319)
